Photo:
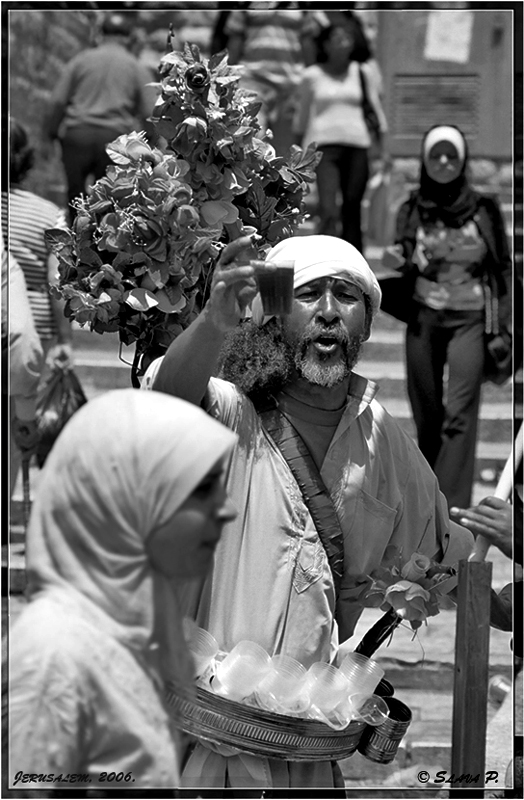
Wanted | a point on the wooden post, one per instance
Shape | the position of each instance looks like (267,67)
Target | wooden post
(470,692)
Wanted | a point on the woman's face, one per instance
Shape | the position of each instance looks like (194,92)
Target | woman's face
(443,163)
(340,43)
(184,546)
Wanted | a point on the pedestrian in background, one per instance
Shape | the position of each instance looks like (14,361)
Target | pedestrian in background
(22,364)
(452,249)
(25,219)
(273,41)
(333,99)
(101,95)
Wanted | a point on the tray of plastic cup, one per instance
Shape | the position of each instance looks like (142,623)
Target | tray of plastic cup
(253,730)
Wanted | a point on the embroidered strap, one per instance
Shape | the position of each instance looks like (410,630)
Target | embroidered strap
(307,476)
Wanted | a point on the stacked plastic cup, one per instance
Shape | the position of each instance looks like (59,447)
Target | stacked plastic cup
(362,673)
(202,645)
(328,691)
(239,674)
(369,708)
(282,688)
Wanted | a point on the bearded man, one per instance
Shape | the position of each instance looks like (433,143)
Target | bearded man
(287,574)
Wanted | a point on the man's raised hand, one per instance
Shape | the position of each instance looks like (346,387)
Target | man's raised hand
(233,286)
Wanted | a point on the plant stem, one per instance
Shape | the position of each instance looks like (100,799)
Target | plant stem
(378,633)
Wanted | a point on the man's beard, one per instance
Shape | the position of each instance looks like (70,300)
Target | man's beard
(313,366)
(262,360)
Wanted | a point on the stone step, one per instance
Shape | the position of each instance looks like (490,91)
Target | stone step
(496,418)
(104,371)
(494,438)
(393,370)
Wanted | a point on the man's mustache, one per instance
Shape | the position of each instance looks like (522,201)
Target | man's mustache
(315,330)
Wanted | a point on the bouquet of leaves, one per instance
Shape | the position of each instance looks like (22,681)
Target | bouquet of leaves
(412,591)
(144,241)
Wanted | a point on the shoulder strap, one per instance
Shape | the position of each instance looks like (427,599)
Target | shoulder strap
(316,496)
(365,98)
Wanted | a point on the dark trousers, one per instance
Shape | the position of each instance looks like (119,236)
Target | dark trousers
(447,421)
(84,155)
(345,170)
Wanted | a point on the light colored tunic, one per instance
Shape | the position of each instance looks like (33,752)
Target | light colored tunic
(81,703)
(271,581)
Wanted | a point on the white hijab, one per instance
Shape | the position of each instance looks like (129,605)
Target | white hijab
(120,469)
(445,133)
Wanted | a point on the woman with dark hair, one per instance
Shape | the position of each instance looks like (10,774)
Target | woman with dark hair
(334,96)
(452,247)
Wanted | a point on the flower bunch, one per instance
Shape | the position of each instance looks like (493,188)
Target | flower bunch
(414,590)
(144,241)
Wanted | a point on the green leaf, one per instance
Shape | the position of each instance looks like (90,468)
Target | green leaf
(191,53)
(217,59)
(140,299)
(57,238)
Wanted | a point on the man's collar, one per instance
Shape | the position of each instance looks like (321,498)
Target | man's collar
(361,389)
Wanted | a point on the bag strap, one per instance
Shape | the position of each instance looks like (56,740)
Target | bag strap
(363,86)
(305,471)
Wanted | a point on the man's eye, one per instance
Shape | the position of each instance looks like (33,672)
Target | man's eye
(347,296)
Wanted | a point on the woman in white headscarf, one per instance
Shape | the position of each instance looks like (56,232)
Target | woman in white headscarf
(131,498)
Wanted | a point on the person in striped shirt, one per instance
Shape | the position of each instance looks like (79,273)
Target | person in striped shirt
(273,41)
(25,218)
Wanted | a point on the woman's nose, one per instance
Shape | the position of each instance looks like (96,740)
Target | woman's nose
(443,159)
(226,512)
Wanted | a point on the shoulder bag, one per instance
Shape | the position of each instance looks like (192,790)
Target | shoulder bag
(370,115)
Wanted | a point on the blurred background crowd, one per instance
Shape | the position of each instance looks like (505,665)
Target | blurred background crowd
(77,80)
(365,83)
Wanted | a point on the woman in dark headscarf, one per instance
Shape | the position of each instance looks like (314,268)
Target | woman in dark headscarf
(451,241)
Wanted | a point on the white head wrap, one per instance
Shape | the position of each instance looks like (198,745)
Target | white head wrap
(321,256)
(445,133)
(121,468)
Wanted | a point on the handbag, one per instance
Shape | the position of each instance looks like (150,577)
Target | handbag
(58,399)
(370,115)
(498,355)
(397,294)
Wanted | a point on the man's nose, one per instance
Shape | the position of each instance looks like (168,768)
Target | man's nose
(328,307)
